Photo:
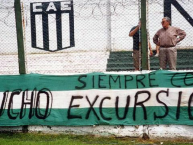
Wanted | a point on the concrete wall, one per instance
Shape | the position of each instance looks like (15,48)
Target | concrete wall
(169,132)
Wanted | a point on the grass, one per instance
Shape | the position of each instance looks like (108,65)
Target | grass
(61,139)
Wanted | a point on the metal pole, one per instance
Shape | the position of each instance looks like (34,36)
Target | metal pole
(108,12)
(144,36)
(20,43)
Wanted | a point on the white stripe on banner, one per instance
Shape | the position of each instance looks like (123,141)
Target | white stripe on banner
(39,31)
(52,32)
(62,99)
(65,30)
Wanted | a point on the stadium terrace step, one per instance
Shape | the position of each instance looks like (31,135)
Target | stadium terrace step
(127,62)
(119,69)
(185,50)
(122,65)
(120,60)
(123,61)
(121,54)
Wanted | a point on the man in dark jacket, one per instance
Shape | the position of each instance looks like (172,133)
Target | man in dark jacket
(135,33)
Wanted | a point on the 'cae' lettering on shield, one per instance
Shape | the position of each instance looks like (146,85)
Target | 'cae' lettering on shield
(61,10)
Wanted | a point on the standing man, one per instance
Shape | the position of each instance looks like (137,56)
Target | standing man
(167,38)
(135,33)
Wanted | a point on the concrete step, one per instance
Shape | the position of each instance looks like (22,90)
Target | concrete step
(121,54)
(120,65)
(120,69)
(123,61)
(116,61)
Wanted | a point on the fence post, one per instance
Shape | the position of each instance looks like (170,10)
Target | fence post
(144,36)
(108,19)
(20,43)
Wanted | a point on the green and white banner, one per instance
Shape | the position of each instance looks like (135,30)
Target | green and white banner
(159,97)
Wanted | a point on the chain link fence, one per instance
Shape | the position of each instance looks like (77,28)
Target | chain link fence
(81,37)
(67,36)
(8,39)
(74,36)
(181,13)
